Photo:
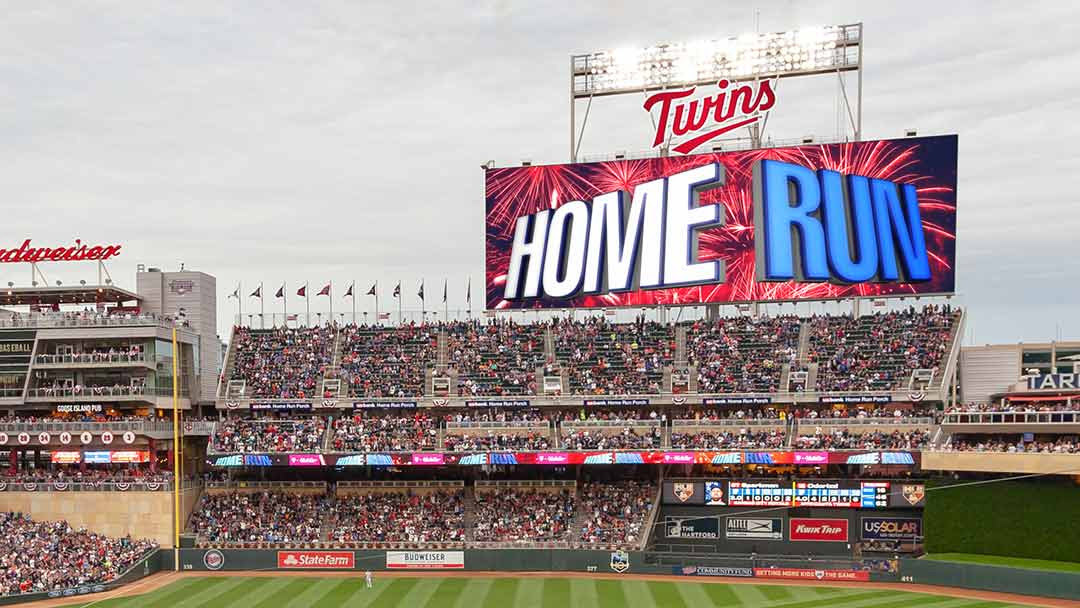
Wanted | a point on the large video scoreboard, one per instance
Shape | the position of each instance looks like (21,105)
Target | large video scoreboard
(839,493)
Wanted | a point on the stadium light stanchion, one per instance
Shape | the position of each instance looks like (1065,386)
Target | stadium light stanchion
(176,456)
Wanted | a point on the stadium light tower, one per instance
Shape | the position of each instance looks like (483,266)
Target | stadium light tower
(813,51)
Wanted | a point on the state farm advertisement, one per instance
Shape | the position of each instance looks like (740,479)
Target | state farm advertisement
(805,574)
(316,560)
(819,530)
(425,560)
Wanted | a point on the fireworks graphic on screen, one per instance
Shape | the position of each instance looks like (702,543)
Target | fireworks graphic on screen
(927,163)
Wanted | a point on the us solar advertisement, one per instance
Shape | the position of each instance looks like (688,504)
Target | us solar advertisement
(870,218)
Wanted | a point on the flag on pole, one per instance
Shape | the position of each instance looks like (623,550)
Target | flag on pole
(235,293)
(325,291)
(302,291)
(383,316)
(468,292)
(397,290)
(420,294)
(371,291)
(444,291)
(257,293)
(349,293)
(280,292)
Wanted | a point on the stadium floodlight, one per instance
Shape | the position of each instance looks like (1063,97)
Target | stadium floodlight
(806,51)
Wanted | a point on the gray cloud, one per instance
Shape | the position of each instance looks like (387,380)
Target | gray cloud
(343,140)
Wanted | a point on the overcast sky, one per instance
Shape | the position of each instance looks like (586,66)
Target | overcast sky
(298,141)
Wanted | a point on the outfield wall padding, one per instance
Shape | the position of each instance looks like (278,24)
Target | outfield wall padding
(481,560)
(1065,585)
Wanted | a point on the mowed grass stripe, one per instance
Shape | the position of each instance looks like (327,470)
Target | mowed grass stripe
(209,593)
(530,593)
(609,594)
(287,593)
(390,595)
(582,593)
(340,592)
(501,593)
(665,594)
(308,597)
(446,593)
(843,600)
(912,599)
(774,593)
(242,590)
(721,595)
(556,592)
(176,595)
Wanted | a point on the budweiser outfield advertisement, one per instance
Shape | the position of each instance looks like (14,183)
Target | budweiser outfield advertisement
(316,560)
(818,530)
(872,218)
(425,560)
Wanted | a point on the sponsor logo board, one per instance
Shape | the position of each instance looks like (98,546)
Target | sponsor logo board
(754,528)
(818,530)
(425,560)
(313,560)
(890,528)
(805,574)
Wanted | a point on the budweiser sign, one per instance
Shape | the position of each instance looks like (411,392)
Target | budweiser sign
(64,253)
(819,530)
(735,105)
(340,560)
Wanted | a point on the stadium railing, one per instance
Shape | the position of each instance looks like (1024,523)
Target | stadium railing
(994,418)
(14,484)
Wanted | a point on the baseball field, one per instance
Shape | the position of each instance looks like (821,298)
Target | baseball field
(271,591)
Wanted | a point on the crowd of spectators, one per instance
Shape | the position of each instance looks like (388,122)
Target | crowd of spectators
(246,436)
(381,361)
(601,438)
(51,555)
(282,363)
(844,440)
(489,415)
(509,514)
(606,358)
(613,513)
(1015,444)
(259,517)
(373,433)
(878,352)
(497,440)
(495,358)
(399,517)
(742,354)
(90,474)
(1012,407)
(715,439)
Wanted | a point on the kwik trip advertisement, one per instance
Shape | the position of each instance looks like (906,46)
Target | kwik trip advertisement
(870,218)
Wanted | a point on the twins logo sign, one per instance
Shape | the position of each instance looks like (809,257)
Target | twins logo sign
(620,561)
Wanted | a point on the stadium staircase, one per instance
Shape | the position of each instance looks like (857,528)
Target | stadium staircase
(804,344)
(442,356)
(326,526)
(811,377)
(680,346)
(469,503)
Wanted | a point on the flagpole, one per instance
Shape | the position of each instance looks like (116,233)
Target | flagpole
(331,294)
(400,297)
(445,306)
(284,304)
(354,302)
(240,302)
(307,299)
(376,302)
(262,307)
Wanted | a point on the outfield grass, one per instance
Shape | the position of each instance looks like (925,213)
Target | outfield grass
(1013,562)
(453,592)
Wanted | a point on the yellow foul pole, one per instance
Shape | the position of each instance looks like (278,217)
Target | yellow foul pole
(176,454)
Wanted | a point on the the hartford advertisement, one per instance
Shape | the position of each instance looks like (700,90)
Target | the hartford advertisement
(810,222)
